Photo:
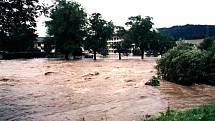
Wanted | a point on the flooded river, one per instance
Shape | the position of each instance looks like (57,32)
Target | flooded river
(102,90)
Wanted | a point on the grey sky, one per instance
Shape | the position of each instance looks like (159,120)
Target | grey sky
(165,13)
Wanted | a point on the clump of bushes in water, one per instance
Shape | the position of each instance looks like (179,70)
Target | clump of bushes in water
(104,53)
(136,52)
(201,113)
(154,81)
(186,64)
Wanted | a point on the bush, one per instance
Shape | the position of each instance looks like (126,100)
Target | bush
(184,65)
(164,64)
(211,65)
(136,52)
(77,52)
(104,53)
(207,43)
(154,81)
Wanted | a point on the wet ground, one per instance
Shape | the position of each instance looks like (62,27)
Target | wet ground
(105,90)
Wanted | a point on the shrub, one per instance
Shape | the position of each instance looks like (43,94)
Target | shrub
(211,65)
(136,52)
(104,53)
(164,64)
(154,81)
(207,43)
(184,64)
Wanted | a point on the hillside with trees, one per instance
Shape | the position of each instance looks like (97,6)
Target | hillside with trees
(189,32)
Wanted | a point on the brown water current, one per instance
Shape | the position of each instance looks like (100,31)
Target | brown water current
(102,90)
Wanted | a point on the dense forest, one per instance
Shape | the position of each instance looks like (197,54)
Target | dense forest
(190,31)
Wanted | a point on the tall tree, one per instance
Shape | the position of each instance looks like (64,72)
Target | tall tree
(140,31)
(120,31)
(67,26)
(124,44)
(17,24)
(119,48)
(159,43)
(99,32)
(162,43)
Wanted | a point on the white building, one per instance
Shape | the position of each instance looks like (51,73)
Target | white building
(39,43)
(114,39)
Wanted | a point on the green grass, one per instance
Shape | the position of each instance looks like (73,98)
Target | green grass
(201,113)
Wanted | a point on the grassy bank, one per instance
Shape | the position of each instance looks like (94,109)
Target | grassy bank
(201,113)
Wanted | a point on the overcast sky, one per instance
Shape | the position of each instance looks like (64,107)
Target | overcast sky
(165,13)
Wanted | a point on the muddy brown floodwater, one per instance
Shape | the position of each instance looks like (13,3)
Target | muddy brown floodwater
(105,90)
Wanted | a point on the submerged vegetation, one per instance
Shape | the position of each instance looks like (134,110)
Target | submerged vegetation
(186,64)
(154,81)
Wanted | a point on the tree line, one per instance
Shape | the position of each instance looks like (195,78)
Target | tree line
(190,32)
(69,29)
